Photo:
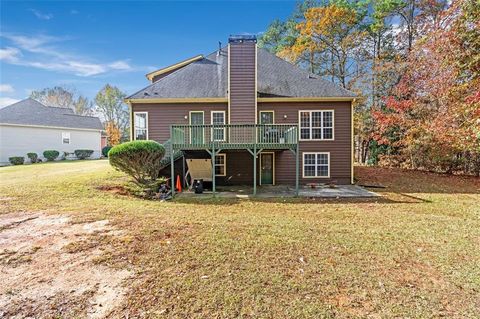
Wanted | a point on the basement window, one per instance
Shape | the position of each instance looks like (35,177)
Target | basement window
(316,165)
(221,165)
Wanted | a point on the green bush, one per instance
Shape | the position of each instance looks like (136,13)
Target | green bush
(17,160)
(105,150)
(83,154)
(50,155)
(139,159)
(33,157)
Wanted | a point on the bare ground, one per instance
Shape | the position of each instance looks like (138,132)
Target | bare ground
(48,269)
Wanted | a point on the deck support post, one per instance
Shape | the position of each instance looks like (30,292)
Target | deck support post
(172,169)
(297,169)
(255,169)
(213,168)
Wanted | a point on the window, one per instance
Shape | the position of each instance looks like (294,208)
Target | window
(218,118)
(267,117)
(316,165)
(141,125)
(316,125)
(220,165)
(65,137)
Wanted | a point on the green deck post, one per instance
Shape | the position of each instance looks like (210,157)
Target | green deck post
(172,163)
(297,164)
(213,168)
(254,169)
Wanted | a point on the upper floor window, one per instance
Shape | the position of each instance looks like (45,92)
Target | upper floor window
(218,118)
(65,137)
(141,125)
(316,125)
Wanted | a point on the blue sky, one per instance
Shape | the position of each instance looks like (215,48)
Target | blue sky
(86,44)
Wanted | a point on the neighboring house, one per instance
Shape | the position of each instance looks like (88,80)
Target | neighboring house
(242,102)
(29,126)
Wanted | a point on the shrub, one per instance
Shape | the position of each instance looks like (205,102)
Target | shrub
(105,150)
(83,154)
(33,157)
(17,160)
(50,155)
(139,159)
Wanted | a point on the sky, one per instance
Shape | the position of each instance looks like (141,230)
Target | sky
(84,45)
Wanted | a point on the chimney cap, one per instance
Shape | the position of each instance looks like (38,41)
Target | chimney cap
(242,38)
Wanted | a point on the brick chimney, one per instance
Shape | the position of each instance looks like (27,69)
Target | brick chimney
(242,80)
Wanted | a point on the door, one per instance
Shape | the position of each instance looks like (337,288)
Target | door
(267,163)
(196,132)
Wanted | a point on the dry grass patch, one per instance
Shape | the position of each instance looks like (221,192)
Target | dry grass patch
(412,253)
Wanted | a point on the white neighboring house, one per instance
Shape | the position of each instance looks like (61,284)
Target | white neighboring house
(29,126)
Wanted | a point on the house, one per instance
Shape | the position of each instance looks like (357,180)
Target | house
(260,119)
(29,126)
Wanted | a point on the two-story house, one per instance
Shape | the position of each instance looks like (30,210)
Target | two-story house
(260,119)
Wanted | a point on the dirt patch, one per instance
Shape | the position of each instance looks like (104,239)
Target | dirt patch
(116,189)
(42,276)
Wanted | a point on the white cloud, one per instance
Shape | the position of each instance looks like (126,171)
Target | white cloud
(4,101)
(9,54)
(120,65)
(44,55)
(73,11)
(41,15)
(6,88)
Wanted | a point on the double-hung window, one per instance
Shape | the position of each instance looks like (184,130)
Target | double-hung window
(316,165)
(316,125)
(65,137)
(218,118)
(221,165)
(141,125)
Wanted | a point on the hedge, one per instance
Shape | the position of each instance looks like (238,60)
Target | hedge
(33,157)
(83,154)
(50,155)
(139,159)
(17,160)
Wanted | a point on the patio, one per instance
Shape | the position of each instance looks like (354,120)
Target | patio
(280,191)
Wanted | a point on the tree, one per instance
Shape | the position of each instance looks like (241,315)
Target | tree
(329,42)
(114,135)
(110,105)
(432,118)
(59,96)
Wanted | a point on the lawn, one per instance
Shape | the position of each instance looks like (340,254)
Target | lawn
(414,252)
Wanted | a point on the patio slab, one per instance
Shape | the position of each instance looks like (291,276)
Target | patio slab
(281,191)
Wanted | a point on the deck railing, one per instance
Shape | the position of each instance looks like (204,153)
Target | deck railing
(234,136)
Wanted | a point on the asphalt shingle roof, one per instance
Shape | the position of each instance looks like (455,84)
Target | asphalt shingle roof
(208,77)
(32,112)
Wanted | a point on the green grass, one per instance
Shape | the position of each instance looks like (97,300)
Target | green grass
(413,253)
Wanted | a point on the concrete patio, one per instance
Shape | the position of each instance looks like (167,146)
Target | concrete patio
(282,191)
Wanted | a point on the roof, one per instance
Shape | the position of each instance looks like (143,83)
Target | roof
(32,112)
(208,78)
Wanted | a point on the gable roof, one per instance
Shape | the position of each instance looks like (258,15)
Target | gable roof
(208,78)
(34,113)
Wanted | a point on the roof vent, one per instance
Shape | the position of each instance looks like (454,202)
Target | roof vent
(242,38)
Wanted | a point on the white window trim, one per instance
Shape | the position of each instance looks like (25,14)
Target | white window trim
(224,155)
(69,137)
(224,128)
(135,128)
(303,164)
(315,139)
(266,111)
